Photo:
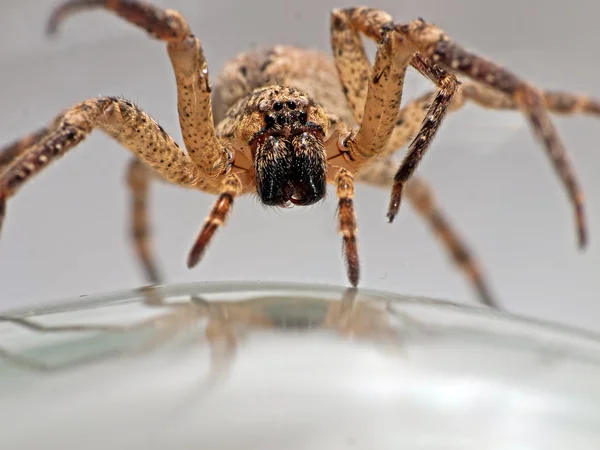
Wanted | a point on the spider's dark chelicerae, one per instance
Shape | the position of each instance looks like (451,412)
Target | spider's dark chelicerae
(283,122)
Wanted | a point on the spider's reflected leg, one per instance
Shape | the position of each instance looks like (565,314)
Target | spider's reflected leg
(164,327)
(223,339)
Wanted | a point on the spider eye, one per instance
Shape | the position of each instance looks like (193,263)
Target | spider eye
(269,121)
(277,106)
(291,104)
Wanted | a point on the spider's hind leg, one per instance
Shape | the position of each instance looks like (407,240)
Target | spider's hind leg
(419,193)
(434,44)
(139,178)
(118,118)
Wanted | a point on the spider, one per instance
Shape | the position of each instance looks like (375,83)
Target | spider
(284,122)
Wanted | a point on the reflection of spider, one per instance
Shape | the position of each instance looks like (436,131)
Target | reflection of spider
(280,123)
(345,313)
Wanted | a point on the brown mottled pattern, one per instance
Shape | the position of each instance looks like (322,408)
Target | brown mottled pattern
(347,223)
(545,131)
(309,71)
(246,117)
(373,94)
(447,87)
(29,163)
(554,101)
(122,120)
(351,61)
(567,103)
(194,107)
(11,151)
(167,25)
(383,99)
(139,133)
(230,189)
(373,23)
(434,43)
(2,208)
(190,69)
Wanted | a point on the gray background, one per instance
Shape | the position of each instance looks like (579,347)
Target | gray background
(65,233)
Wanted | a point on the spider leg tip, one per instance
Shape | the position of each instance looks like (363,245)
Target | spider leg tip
(582,236)
(52,26)
(2,209)
(194,258)
(154,280)
(583,242)
(394,206)
(488,300)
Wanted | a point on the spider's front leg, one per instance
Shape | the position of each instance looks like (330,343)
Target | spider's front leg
(347,153)
(211,155)
(230,188)
(374,94)
(365,91)
(118,118)
(190,69)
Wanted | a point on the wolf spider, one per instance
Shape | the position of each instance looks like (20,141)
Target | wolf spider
(284,122)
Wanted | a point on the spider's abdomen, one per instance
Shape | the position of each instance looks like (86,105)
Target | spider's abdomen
(310,71)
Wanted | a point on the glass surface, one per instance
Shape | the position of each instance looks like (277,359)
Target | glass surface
(286,366)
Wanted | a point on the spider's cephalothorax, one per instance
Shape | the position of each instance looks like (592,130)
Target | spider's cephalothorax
(287,149)
(283,122)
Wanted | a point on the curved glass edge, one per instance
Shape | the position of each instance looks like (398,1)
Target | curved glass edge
(307,290)
(444,337)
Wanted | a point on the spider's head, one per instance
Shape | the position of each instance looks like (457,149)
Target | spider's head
(290,162)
